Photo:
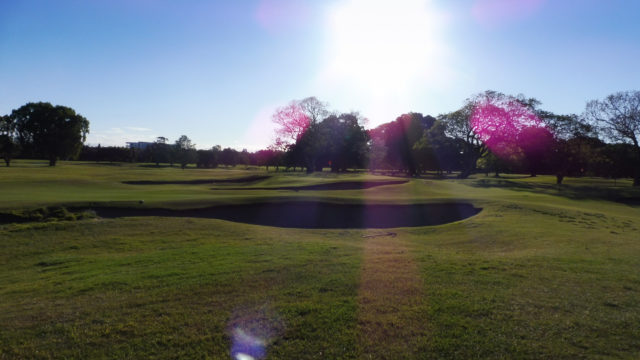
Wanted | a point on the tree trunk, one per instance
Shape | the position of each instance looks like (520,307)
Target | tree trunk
(464,174)
(636,178)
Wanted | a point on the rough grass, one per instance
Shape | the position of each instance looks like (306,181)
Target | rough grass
(542,272)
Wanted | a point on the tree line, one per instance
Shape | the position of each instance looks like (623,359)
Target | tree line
(492,133)
(179,153)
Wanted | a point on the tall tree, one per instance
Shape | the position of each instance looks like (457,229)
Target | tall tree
(339,142)
(315,109)
(618,117)
(401,135)
(346,142)
(53,132)
(160,150)
(8,144)
(436,151)
(458,126)
(536,143)
(570,146)
(185,151)
(507,125)
(295,118)
(229,157)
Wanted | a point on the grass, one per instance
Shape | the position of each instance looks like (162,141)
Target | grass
(542,272)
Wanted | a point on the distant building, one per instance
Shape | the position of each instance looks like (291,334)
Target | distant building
(140,145)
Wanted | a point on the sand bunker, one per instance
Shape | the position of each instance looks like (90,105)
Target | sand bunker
(343,185)
(315,215)
(240,180)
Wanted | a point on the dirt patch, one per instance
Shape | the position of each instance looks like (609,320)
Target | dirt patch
(315,215)
(45,214)
(389,294)
(241,180)
(344,185)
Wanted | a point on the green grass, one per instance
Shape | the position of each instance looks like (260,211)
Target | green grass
(542,272)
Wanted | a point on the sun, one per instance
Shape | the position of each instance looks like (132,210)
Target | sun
(383,47)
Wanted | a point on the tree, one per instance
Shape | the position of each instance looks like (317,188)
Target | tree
(229,157)
(268,157)
(339,142)
(185,151)
(53,132)
(244,158)
(8,145)
(294,119)
(509,126)
(315,109)
(435,151)
(208,158)
(346,142)
(576,156)
(160,150)
(570,146)
(105,153)
(292,122)
(399,138)
(536,143)
(618,117)
(458,126)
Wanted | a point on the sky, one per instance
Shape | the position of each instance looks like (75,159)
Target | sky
(217,70)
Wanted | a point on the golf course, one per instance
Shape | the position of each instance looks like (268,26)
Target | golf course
(137,261)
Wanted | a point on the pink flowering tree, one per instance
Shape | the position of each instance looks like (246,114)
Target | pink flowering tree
(292,123)
(512,130)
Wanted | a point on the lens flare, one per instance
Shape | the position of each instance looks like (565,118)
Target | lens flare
(247,346)
(252,329)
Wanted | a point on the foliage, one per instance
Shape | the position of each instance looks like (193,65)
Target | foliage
(339,142)
(185,151)
(209,158)
(459,127)
(400,136)
(229,157)
(618,117)
(106,153)
(9,147)
(53,132)
(435,151)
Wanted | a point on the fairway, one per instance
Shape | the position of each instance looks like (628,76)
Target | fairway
(521,268)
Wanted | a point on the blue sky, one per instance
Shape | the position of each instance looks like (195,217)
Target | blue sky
(216,70)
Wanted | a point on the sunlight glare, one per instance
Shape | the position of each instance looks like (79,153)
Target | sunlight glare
(383,49)
(381,43)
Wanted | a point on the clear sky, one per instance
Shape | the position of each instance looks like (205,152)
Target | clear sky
(216,70)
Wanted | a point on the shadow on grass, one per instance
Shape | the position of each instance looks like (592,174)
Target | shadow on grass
(627,195)
(343,185)
(240,180)
(315,215)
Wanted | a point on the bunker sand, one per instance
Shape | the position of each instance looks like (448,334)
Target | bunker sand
(314,215)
